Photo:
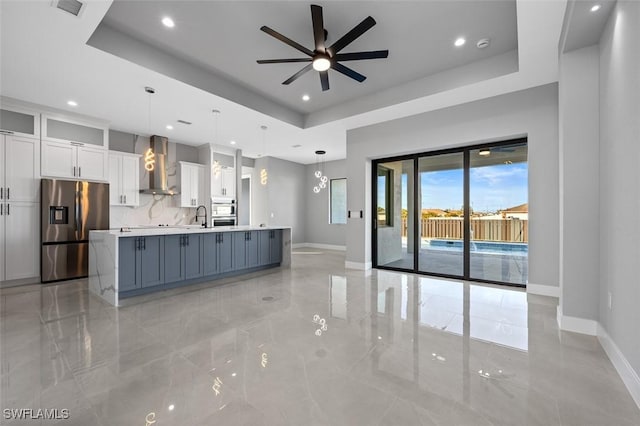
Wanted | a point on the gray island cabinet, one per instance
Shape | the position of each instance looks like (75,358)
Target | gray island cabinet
(144,260)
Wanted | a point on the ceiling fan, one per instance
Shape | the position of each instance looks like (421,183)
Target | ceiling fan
(322,57)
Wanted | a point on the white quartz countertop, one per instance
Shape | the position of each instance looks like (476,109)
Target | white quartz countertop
(180,229)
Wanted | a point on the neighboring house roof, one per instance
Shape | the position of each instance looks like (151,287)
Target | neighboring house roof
(522,208)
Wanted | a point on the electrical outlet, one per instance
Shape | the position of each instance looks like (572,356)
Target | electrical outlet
(610,300)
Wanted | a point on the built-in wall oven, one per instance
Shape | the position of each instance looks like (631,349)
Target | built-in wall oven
(223,212)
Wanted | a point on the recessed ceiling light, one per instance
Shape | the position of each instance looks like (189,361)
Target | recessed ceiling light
(484,152)
(169,127)
(171,407)
(72,103)
(460,41)
(232,142)
(596,8)
(306,97)
(168,22)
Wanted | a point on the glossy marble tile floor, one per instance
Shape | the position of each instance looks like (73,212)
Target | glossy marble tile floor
(313,345)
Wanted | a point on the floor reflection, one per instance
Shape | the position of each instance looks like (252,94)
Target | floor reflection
(316,344)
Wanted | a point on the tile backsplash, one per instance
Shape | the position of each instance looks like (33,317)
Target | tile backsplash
(153,210)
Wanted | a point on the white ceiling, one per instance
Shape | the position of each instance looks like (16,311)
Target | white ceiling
(223,37)
(45,60)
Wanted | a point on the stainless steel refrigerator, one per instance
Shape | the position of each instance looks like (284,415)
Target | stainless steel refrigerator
(69,210)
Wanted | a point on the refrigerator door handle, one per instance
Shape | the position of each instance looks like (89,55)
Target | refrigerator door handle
(78,213)
(8,211)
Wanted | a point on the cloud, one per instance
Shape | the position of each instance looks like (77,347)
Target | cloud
(496,175)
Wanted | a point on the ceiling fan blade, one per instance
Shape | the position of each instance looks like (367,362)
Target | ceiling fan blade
(357,56)
(324,80)
(348,72)
(282,61)
(286,40)
(356,32)
(318,27)
(296,75)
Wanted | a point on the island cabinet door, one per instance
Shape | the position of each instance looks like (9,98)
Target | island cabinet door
(253,249)
(240,249)
(151,260)
(210,253)
(276,246)
(264,241)
(127,264)
(192,251)
(173,260)
(225,251)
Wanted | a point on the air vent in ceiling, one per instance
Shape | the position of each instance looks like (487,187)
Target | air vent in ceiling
(70,6)
(188,123)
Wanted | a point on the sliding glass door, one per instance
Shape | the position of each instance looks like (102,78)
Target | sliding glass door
(441,215)
(394,217)
(459,213)
(499,213)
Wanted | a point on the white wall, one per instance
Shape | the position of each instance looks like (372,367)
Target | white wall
(319,230)
(532,112)
(620,178)
(282,200)
(579,190)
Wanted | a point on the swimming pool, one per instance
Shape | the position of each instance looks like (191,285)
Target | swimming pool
(489,247)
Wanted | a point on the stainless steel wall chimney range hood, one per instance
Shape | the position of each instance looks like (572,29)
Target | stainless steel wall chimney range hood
(155,164)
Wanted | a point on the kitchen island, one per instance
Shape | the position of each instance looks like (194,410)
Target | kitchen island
(130,262)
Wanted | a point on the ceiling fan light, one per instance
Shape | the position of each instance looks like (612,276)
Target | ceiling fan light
(321,64)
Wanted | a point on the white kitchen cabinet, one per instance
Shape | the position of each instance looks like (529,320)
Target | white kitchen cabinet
(21,257)
(19,180)
(223,183)
(19,207)
(64,129)
(19,121)
(191,184)
(124,179)
(74,160)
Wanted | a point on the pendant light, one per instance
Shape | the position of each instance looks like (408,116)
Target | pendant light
(263,173)
(319,173)
(149,155)
(215,166)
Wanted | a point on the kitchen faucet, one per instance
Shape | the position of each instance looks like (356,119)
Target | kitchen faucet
(204,223)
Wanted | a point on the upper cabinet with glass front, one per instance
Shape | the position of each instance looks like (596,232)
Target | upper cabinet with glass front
(62,129)
(19,121)
(74,149)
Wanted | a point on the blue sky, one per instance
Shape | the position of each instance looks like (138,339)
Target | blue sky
(492,188)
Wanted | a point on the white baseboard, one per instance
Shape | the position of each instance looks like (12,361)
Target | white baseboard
(576,325)
(361,266)
(627,373)
(326,246)
(320,246)
(543,290)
